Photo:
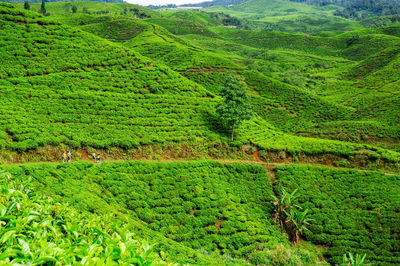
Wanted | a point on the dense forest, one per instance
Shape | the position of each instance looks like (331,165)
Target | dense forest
(360,9)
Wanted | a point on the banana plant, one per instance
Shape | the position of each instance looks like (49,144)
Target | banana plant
(352,260)
(283,204)
(296,223)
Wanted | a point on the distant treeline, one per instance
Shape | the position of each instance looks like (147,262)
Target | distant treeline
(359,9)
(39,1)
(202,4)
(161,6)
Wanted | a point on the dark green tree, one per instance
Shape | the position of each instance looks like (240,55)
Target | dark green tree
(43,8)
(27,6)
(235,106)
(74,9)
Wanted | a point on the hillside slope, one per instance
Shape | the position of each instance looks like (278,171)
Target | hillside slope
(350,69)
(205,212)
(278,15)
(352,210)
(201,212)
(131,86)
(76,87)
(76,90)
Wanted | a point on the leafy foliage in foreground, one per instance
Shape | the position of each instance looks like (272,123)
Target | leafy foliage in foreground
(37,230)
(352,260)
(353,211)
(221,210)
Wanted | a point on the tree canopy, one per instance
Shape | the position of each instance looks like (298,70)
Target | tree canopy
(235,106)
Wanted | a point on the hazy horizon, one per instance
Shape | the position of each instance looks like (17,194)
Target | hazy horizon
(163,2)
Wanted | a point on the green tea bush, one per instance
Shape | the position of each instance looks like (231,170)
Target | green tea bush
(37,230)
(223,209)
(353,211)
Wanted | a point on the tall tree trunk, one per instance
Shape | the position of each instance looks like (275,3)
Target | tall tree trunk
(233,130)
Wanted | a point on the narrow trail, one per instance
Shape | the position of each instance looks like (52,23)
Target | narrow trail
(252,158)
(224,161)
(155,33)
(269,167)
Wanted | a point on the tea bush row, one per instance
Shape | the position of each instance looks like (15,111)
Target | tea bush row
(223,209)
(353,211)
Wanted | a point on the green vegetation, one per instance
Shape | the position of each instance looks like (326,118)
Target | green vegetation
(290,216)
(287,16)
(104,71)
(352,211)
(37,230)
(221,210)
(75,94)
(235,106)
(95,8)
(205,67)
(126,82)
(356,260)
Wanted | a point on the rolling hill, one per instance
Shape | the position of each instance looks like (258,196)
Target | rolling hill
(140,88)
(207,67)
(276,15)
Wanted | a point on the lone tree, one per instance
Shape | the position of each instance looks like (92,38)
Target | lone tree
(26,5)
(43,8)
(235,106)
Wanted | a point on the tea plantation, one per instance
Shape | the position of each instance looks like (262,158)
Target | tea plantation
(223,210)
(62,86)
(353,210)
(143,89)
(37,230)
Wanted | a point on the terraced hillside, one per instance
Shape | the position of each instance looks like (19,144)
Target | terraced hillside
(288,16)
(85,92)
(139,88)
(221,213)
(352,70)
(78,89)
(94,8)
(227,209)
(352,210)
(286,65)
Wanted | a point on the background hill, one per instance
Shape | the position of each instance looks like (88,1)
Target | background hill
(287,16)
